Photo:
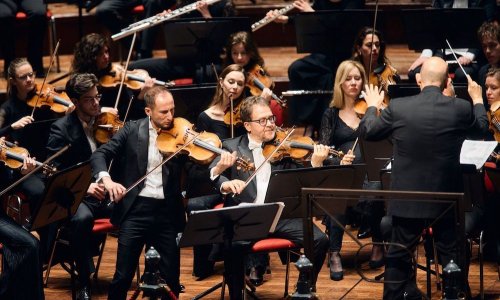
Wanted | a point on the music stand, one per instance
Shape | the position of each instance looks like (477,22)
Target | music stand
(228,224)
(404,90)
(326,31)
(200,41)
(377,155)
(351,176)
(191,100)
(429,28)
(63,193)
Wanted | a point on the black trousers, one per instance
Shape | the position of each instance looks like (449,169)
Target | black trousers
(147,223)
(22,273)
(35,10)
(291,229)
(398,265)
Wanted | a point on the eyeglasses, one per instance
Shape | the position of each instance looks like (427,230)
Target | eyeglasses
(263,121)
(25,76)
(90,98)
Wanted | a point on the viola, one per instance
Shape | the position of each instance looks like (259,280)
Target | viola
(383,76)
(204,148)
(13,157)
(105,126)
(236,115)
(58,102)
(258,80)
(297,147)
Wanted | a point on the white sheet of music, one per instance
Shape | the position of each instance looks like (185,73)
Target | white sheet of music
(476,152)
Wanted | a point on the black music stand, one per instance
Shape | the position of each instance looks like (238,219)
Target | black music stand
(377,155)
(200,41)
(429,28)
(326,31)
(191,100)
(286,185)
(63,193)
(228,224)
(404,90)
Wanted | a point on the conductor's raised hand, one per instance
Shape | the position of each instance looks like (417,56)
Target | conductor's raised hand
(475,91)
(234,186)
(116,191)
(373,95)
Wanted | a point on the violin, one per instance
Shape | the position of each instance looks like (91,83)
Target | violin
(236,115)
(383,76)
(105,126)
(297,147)
(494,121)
(13,157)
(58,102)
(134,79)
(257,80)
(204,148)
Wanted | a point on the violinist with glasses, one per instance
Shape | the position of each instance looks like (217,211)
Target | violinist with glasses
(259,123)
(77,129)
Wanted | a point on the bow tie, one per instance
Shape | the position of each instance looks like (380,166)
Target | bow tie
(253,145)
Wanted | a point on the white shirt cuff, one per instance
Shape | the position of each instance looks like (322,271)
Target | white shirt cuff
(101,175)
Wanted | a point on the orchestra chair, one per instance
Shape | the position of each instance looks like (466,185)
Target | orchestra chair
(21,16)
(269,245)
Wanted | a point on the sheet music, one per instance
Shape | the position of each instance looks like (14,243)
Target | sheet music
(476,152)
(281,205)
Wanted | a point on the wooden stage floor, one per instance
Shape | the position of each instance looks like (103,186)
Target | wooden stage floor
(59,283)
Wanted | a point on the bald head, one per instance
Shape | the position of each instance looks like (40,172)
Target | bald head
(434,72)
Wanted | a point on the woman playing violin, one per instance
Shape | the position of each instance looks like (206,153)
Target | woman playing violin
(369,43)
(242,50)
(339,128)
(91,55)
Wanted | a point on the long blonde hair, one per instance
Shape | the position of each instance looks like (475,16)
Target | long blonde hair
(343,70)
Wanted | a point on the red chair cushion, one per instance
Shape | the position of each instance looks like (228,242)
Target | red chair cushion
(139,9)
(20,15)
(220,205)
(488,185)
(273,244)
(183,81)
(103,226)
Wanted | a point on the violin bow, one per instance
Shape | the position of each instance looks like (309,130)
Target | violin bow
(46,75)
(249,179)
(189,142)
(125,71)
(456,58)
(355,144)
(13,185)
(373,37)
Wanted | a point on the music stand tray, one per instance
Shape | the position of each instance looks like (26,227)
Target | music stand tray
(235,223)
(286,185)
(63,193)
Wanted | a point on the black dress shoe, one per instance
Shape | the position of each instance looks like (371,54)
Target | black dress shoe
(183,288)
(335,265)
(83,293)
(364,233)
(256,277)
(375,264)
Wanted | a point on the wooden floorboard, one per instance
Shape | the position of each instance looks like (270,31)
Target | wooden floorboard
(59,284)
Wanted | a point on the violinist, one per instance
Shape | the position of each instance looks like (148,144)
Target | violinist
(339,128)
(76,129)
(314,71)
(369,43)
(259,124)
(489,37)
(152,212)
(91,55)
(242,50)
(20,250)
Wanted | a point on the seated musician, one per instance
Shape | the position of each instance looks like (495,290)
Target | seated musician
(91,55)
(259,124)
(489,37)
(37,25)
(152,212)
(21,272)
(164,69)
(76,129)
(242,50)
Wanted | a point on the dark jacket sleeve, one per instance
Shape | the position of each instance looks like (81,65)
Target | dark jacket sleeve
(479,125)
(57,140)
(104,154)
(373,128)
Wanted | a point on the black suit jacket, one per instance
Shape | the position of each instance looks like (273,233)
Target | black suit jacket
(68,130)
(427,131)
(131,144)
(240,145)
